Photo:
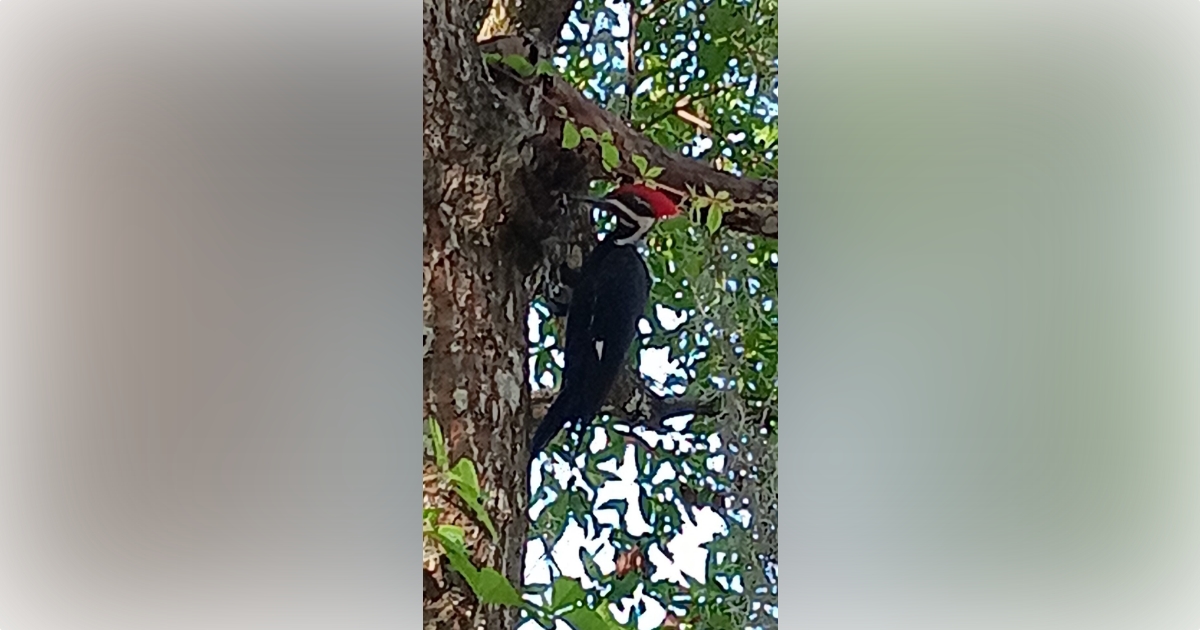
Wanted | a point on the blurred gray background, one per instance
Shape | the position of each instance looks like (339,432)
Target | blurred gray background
(209,315)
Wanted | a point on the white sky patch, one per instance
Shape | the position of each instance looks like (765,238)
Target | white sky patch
(537,570)
(690,557)
(621,28)
(607,516)
(626,488)
(654,614)
(534,321)
(656,364)
(743,516)
(669,318)
(680,423)
(599,440)
(566,553)
(533,370)
(665,472)
(671,441)
(652,617)
(549,497)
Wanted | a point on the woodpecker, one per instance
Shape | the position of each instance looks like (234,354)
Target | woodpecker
(609,296)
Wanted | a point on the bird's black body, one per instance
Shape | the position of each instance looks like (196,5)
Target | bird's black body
(607,301)
(602,320)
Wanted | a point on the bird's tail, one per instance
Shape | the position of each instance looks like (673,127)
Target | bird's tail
(556,417)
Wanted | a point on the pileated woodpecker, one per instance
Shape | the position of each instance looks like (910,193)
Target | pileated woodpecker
(607,300)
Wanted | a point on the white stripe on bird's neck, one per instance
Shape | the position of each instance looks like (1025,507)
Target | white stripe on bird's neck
(644,225)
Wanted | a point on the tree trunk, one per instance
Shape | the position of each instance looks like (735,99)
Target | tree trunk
(475,301)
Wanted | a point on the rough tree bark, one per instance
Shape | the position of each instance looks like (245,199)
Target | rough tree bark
(493,232)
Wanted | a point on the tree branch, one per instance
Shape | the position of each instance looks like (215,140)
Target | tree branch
(755,201)
(545,18)
(632,401)
(542,20)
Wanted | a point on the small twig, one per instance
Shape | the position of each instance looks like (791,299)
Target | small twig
(694,119)
(653,122)
(684,101)
(631,62)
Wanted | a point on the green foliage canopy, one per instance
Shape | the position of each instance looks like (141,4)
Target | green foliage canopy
(710,336)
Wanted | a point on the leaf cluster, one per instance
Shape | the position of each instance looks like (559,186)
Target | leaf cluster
(713,317)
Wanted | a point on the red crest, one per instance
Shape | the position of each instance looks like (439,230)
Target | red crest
(660,202)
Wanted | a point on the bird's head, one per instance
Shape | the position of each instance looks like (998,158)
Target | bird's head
(637,207)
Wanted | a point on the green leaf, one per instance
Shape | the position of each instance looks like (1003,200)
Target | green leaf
(567,592)
(713,223)
(624,587)
(710,57)
(588,134)
(488,584)
(609,156)
(556,514)
(587,619)
(544,67)
(571,138)
(489,57)
(457,555)
(640,162)
(590,568)
(483,517)
(653,172)
(451,535)
(439,444)
(766,135)
(576,503)
(698,204)
(620,505)
(464,477)
(608,618)
(493,588)
(466,484)
(520,64)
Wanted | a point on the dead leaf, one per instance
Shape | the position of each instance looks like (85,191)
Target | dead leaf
(631,560)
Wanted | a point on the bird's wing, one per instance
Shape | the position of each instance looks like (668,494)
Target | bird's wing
(581,313)
(624,287)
